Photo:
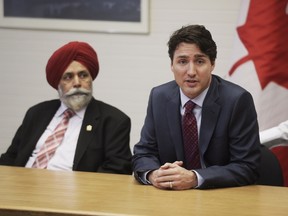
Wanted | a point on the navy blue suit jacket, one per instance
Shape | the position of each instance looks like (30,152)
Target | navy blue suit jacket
(228,140)
(104,149)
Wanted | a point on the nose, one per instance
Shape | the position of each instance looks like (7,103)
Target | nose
(191,69)
(76,82)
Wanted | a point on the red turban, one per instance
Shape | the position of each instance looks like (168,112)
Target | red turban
(73,51)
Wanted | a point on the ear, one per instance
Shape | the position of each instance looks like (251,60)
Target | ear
(172,67)
(212,66)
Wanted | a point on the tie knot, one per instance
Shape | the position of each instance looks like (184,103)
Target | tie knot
(189,106)
(68,113)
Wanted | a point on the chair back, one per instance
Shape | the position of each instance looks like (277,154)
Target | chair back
(270,169)
(281,152)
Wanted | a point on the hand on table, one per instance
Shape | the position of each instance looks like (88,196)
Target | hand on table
(173,176)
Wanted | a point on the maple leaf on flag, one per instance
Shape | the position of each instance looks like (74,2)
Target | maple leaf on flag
(265,36)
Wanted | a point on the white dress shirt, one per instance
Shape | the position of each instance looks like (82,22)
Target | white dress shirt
(275,135)
(64,155)
(197,111)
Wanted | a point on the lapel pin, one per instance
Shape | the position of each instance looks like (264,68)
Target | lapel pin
(89,128)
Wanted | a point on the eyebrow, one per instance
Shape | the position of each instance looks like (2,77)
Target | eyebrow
(201,56)
(196,56)
(71,72)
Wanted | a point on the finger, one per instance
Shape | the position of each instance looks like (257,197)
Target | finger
(162,185)
(166,166)
(166,185)
(171,185)
(179,163)
(166,173)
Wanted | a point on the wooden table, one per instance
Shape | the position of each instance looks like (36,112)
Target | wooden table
(42,192)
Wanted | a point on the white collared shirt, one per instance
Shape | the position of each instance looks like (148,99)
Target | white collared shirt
(197,111)
(275,135)
(64,155)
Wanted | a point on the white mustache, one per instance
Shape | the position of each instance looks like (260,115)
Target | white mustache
(77,92)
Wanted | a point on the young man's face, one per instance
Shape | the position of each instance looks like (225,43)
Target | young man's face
(75,87)
(192,69)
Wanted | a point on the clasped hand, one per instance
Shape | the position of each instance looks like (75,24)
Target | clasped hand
(173,176)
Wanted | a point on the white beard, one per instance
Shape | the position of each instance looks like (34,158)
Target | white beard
(76,99)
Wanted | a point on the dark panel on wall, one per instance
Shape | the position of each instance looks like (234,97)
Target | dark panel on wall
(103,10)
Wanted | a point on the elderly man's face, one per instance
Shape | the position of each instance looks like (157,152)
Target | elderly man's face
(75,87)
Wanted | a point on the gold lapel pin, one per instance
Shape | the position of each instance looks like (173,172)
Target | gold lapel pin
(89,128)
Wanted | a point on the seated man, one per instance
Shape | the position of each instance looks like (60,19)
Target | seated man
(76,132)
(200,131)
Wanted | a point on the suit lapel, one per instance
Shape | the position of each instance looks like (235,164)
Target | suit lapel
(210,114)
(174,121)
(89,126)
(43,119)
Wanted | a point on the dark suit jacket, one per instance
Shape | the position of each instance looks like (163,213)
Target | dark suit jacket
(228,141)
(104,149)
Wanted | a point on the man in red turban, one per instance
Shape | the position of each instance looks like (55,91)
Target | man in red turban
(73,51)
(76,131)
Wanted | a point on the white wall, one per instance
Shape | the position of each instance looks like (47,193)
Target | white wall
(130,65)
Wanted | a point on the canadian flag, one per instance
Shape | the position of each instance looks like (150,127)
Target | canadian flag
(260,58)
(260,61)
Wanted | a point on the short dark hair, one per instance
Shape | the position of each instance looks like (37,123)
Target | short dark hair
(193,34)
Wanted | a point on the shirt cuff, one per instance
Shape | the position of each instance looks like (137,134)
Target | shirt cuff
(143,177)
(200,179)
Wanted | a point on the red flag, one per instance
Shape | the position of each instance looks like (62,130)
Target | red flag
(260,60)
(260,63)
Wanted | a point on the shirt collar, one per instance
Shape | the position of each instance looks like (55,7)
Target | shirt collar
(197,100)
(63,107)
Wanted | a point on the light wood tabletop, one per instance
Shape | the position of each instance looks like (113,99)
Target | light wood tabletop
(36,192)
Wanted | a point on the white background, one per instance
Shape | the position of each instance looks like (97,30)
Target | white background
(130,64)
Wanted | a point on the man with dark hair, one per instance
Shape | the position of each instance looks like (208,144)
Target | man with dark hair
(200,131)
(76,132)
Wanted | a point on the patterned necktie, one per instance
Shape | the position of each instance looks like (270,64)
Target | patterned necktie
(190,137)
(48,149)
